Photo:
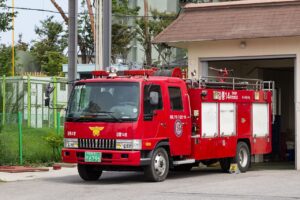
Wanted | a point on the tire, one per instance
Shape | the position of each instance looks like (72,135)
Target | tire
(225,164)
(242,157)
(89,172)
(158,169)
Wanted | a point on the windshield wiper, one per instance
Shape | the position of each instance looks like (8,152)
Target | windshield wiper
(100,113)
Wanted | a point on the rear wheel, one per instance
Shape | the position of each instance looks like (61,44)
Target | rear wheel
(159,167)
(225,164)
(89,172)
(243,156)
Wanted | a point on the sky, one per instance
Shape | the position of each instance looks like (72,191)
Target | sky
(26,21)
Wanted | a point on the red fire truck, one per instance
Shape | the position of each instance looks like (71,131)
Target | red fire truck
(156,121)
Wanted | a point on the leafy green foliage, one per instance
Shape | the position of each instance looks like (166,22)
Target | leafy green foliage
(55,141)
(122,32)
(50,46)
(52,63)
(35,147)
(159,22)
(86,38)
(148,28)
(5,60)
(121,7)
(23,46)
(5,17)
(121,37)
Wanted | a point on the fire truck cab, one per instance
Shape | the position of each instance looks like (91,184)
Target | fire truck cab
(146,121)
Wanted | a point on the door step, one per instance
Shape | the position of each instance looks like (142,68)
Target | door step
(182,162)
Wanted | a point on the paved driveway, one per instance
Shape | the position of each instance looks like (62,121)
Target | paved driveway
(198,184)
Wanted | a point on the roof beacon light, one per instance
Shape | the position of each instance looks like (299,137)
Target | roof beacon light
(100,73)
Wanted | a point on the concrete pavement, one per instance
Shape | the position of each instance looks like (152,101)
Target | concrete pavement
(9,177)
(22,176)
(266,184)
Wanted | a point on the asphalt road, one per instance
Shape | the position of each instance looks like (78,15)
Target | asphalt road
(197,184)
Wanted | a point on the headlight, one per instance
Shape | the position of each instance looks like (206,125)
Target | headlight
(129,144)
(71,143)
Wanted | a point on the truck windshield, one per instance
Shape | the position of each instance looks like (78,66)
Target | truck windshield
(116,102)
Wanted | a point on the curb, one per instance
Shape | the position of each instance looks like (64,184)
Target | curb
(66,165)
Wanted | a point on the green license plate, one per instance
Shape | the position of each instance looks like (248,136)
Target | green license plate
(92,156)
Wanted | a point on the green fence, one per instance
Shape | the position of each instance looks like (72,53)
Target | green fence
(27,94)
(21,144)
(30,132)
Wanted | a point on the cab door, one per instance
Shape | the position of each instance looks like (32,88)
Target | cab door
(154,117)
(179,124)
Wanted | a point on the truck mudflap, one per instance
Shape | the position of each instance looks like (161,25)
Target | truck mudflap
(105,157)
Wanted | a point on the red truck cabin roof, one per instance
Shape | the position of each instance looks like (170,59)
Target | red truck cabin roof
(133,79)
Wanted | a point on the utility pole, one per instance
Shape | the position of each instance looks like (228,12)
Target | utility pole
(148,50)
(103,34)
(72,42)
(107,9)
(13,40)
(99,36)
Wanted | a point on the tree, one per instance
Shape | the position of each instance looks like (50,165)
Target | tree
(159,22)
(85,36)
(121,8)
(54,61)
(52,42)
(23,46)
(5,17)
(122,32)
(148,28)
(122,37)
(5,60)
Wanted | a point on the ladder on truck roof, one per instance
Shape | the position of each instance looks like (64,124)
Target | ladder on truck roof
(234,83)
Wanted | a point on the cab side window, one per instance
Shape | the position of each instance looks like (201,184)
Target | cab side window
(148,106)
(175,98)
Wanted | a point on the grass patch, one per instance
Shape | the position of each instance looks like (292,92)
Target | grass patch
(36,150)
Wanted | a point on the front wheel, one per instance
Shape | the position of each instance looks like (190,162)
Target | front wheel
(89,172)
(159,167)
(243,156)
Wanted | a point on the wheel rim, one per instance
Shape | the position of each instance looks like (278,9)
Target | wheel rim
(243,157)
(160,164)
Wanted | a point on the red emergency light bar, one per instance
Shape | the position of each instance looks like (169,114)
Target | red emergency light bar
(176,72)
(100,73)
(142,72)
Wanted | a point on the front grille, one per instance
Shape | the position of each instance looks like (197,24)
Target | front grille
(97,144)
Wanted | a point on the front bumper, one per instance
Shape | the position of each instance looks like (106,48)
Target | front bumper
(109,157)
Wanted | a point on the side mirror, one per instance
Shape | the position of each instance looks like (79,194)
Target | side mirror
(154,99)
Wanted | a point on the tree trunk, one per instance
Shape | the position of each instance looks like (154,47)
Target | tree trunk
(92,20)
(60,10)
